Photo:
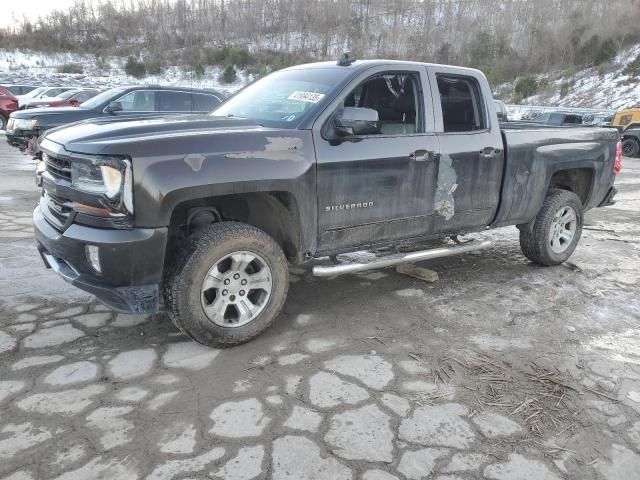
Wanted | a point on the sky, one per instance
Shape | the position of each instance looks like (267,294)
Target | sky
(31,8)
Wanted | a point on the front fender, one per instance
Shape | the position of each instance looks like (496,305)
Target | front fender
(170,171)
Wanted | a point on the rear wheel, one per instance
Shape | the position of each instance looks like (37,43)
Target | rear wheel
(230,286)
(630,147)
(556,230)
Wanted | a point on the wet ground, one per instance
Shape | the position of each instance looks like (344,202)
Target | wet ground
(501,370)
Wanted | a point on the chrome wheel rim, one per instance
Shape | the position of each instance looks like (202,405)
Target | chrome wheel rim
(236,289)
(563,229)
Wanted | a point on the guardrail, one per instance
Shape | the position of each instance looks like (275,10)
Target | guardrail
(515,110)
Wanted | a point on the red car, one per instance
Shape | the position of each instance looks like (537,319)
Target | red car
(70,98)
(8,104)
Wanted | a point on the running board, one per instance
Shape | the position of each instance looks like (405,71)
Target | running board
(390,260)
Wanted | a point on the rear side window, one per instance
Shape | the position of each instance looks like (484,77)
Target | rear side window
(462,106)
(175,102)
(204,103)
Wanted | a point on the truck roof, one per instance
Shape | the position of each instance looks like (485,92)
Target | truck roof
(362,65)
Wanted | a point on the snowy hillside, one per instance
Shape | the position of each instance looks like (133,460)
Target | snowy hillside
(36,68)
(609,88)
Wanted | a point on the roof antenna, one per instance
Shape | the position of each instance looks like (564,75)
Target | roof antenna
(346,59)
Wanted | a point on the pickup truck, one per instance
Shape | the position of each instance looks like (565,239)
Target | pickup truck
(631,140)
(201,215)
(560,119)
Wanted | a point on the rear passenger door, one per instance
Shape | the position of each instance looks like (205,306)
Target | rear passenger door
(471,162)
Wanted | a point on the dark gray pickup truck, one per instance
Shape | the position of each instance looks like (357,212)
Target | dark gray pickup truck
(202,215)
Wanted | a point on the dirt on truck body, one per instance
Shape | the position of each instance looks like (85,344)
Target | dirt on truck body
(201,215)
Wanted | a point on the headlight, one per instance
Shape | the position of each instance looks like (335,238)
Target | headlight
(24,124)
(111,177)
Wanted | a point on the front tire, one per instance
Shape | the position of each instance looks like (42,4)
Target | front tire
(3,122)
(630,147)
(556,230)
(229,286)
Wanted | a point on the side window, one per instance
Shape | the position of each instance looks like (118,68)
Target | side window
(174,102)
(462,107)
(138,101)
(396,98)
(204,103)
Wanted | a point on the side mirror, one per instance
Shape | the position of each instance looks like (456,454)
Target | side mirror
(114,107)
(356,121)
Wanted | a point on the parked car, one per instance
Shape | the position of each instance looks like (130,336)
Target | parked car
(631,141)
(70,98)
(46,95)
(501,110)
(38,93)
(8,104)
(19,89)
(43,101)
(559,119)
(142,100)
(201,215)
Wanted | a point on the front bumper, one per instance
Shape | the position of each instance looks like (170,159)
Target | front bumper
(132,262)
(16,138)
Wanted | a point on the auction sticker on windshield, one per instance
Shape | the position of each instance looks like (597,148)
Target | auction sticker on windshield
(311,97)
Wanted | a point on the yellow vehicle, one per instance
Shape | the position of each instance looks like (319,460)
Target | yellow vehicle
(624,118)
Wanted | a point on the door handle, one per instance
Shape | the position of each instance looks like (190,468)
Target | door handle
(423,155)
(489,152)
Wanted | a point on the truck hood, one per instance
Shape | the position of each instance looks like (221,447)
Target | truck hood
(91,136)
(38,112)
(49,117)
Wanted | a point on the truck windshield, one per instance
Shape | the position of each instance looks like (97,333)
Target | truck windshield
(283,99)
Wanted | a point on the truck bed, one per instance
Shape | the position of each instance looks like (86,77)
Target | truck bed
(533,153)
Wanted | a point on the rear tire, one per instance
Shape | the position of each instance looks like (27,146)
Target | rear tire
(556,230)
(630,147)
(228,286)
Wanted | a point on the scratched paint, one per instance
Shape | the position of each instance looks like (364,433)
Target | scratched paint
(194,160)
(447,178)
(277,148)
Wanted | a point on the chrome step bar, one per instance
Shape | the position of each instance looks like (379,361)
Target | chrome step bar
(390,260)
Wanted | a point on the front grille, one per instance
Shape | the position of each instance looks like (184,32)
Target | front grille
(60,208)
(58,167)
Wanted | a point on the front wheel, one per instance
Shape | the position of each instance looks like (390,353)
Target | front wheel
(556,230)
(630,147)
(3,123)
(229,286)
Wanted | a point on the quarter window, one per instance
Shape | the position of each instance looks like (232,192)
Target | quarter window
(204,103)
(462,108)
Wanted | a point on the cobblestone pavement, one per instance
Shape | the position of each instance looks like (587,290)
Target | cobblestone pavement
(502,370)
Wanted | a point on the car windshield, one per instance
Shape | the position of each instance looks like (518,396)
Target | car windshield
(283,99)
(102,98)
(35,92)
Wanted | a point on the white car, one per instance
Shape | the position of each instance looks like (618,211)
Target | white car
(40,93)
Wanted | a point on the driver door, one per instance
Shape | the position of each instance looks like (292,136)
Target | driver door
(378,187)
